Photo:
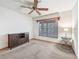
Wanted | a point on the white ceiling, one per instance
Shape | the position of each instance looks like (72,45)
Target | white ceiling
(52,5)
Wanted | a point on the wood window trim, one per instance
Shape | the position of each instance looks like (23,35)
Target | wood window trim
(49,19)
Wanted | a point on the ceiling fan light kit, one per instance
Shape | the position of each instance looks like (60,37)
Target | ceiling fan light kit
(35,8)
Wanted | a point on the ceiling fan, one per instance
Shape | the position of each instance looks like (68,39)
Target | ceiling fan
(35,8)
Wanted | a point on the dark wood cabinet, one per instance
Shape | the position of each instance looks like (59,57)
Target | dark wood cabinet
(17,39)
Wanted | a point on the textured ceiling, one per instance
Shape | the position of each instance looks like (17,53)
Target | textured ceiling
(52,5)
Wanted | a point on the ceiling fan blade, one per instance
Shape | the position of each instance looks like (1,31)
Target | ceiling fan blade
(38,12)
(43,9)
(35,3)
(30,12)
(25,7)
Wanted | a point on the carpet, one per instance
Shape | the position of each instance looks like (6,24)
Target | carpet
(37,50)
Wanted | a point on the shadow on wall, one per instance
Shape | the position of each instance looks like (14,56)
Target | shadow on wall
(3,41)
(13,22)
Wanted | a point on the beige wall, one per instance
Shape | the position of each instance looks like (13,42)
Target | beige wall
(13,22)
(3,41)
(75,28)
(65,21)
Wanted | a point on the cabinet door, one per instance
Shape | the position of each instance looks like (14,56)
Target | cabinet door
(17,39)
(13,40)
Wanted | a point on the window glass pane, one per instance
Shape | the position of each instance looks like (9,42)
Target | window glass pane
(42,29)
(49,29)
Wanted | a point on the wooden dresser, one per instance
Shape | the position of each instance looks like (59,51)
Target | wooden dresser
(17,39)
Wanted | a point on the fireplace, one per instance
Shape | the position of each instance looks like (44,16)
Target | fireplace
(17,39)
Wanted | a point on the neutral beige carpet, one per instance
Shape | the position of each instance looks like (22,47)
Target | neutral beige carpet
(37,50)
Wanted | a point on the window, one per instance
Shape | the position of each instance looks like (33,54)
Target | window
(48,29)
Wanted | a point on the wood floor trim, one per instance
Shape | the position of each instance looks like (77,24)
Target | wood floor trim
(4,48)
